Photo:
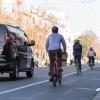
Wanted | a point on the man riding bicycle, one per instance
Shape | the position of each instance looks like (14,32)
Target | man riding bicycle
(53,44)
(77,52)
(91,55)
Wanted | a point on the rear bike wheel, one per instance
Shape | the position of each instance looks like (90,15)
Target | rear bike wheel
(77,68)
(60,78)
(91,65)
(54,80)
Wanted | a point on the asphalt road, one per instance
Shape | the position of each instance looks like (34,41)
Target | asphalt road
(74,87)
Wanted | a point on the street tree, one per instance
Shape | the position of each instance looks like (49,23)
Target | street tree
(87,39)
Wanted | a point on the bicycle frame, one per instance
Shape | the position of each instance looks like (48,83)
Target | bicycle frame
(57,67)
(57,73)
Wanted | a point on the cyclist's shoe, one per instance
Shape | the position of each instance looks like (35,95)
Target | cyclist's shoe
(50,80)
(61,70)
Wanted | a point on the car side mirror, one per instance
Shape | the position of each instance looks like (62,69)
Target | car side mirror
(31,43)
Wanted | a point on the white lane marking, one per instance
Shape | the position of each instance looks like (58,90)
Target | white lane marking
(86,89)
(74,72)
(96,79)
(33,84)
(98,89)
(22,87)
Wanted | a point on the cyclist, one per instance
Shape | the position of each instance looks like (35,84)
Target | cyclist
(91,55)
(53,43)
(77,52)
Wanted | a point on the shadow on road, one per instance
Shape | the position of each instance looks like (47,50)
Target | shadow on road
(2,79)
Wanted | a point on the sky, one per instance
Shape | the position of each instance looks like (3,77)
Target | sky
(82,15)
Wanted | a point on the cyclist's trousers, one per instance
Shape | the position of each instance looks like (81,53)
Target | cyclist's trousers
(79,59)
(51,58)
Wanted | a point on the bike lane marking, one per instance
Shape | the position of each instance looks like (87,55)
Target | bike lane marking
(74,72)
(22,87)
(96,79)
(33,84)
(98,89)
(86,89)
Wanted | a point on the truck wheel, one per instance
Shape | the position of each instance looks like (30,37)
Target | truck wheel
(30,73)
(15,73)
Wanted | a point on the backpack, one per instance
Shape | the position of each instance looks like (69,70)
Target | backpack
(91,54)
(77,47)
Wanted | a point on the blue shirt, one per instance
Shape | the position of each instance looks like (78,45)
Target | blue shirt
(54,42)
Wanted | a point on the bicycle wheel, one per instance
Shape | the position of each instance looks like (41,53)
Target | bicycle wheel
(77,68)
(60,78)
(91,64)
(54,77)
(54,80)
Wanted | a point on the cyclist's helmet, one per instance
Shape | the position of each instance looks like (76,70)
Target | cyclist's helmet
(77,41)
(91,48)
(55,29)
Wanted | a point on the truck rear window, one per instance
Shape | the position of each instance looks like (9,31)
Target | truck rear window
(2,35)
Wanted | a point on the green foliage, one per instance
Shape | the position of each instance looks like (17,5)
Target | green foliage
(87,39)
(85,44)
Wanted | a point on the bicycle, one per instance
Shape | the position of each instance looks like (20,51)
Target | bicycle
(91,64)
(57,74)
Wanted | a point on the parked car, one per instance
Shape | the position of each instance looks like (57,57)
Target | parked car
(15,52)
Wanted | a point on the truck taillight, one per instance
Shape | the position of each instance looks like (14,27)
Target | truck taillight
(8,38)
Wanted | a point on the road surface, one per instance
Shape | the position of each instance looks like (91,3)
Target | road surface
(74,87)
